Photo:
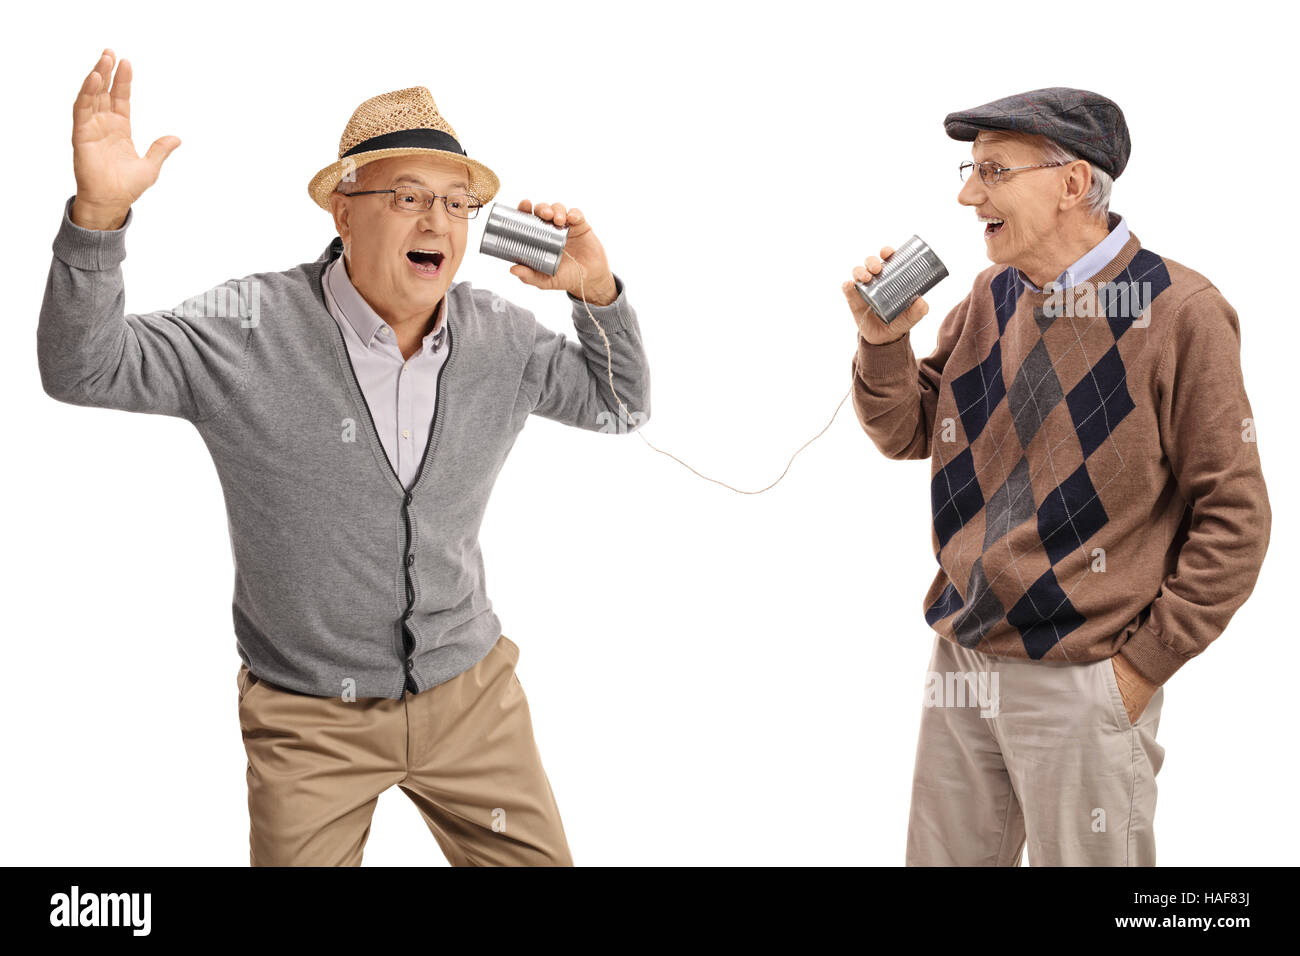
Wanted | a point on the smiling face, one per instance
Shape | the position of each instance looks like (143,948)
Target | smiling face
(402,261)
(1022,212)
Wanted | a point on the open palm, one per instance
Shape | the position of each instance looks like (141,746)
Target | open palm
(110,174)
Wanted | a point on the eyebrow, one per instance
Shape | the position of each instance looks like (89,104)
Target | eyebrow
(417,181)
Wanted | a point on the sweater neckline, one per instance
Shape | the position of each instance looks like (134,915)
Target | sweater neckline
(1106,275)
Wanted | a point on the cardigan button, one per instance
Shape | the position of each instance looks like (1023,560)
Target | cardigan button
(408,498)
(410,560)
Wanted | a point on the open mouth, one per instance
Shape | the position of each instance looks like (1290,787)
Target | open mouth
(426,262)
(992,225)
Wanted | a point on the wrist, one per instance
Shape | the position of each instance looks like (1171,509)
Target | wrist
(603,291)
(89,215)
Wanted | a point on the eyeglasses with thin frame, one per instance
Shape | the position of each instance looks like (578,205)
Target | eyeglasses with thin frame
(991,172)
(459,205)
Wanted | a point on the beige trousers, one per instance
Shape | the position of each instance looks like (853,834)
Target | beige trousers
(1037,752)
(463,751)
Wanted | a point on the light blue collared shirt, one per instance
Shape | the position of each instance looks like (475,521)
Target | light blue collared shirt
(401,393)
(1092,261)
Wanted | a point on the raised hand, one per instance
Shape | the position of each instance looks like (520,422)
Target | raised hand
(110,174)
(870,325)
(597,282)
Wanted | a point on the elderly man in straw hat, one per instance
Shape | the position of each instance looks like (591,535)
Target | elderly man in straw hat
(358,409)
(1099,512)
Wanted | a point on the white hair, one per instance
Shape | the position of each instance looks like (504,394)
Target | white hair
(1097,200)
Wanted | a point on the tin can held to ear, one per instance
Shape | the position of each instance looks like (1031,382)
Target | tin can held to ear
(521,237)
(911,272)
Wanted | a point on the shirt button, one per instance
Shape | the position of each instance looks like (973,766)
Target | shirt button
(406,433)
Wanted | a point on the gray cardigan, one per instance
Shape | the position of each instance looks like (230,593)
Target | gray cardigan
(344,581)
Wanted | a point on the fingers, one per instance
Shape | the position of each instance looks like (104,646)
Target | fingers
(525,205)
(530,276)
(162,148)
(869,269)
(105,70)
(872,265)
(120,96)
(555,213)
(83,108)
(915,313)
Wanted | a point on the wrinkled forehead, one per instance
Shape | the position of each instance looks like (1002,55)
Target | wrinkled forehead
(1002,142)
(435,172)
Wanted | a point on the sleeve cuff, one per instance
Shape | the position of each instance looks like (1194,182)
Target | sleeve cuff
(95,250)
(884,362)
(612,318)
(1152,657)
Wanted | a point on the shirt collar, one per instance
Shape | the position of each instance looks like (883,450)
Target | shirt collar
(1092,261)
(365,320)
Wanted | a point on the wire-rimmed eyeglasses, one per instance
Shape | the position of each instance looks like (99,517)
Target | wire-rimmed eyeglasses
(460,205)
(991,172)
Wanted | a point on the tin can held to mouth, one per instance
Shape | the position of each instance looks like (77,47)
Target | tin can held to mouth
(521,237)
(911,272)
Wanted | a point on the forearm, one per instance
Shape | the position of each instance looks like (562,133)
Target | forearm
(894,405)
(80,331)
(1215,573)
(185,362)
(597,407)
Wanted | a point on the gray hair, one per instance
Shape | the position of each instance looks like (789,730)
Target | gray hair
(1097,200)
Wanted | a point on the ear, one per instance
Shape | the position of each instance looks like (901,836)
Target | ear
(339,210)
(1076,185)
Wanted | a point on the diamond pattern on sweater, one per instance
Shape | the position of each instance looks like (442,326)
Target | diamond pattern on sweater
(979,391)
(1043,616)
(983,609)
(1071,514)
(1011,505)
(955,496)
(1034,393)
(1006,288)
(1068,516)
(1100,401)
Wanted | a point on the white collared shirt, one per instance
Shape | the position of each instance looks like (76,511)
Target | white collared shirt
(1092,261)
(401,393)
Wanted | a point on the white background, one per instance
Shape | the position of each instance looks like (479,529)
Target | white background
(714,678)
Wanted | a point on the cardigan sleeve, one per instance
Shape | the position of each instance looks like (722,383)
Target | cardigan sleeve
(569,381)
(186,362)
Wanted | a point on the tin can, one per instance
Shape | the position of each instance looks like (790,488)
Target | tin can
(521,237)
(911,272)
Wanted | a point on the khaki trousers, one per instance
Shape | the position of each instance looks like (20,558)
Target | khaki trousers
(463,751)
(1044,754)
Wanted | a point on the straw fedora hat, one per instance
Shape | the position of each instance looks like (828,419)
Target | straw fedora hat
(400,123)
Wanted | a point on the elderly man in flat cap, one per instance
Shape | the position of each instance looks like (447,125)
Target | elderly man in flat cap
(1099,512)
(358,409)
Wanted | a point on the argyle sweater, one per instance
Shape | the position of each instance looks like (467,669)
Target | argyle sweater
(1095,481)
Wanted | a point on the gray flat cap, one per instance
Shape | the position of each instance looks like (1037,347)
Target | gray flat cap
(1084,122)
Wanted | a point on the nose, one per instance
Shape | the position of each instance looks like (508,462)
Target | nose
(437,218)
(972,190)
